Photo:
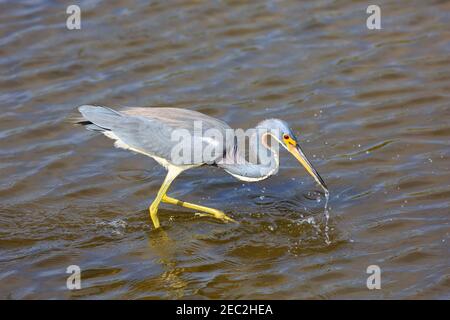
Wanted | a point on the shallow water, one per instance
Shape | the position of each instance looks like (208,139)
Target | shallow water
(371,109)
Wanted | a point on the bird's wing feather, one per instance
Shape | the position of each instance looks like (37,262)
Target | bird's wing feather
(178,118)
(152,130)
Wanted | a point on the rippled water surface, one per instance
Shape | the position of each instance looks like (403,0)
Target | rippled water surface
(371,109)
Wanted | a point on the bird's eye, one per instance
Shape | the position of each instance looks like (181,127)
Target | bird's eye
(286,136)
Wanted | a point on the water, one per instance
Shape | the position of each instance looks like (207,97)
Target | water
(371,109)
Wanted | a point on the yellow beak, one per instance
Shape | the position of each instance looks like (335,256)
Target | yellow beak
(300,156)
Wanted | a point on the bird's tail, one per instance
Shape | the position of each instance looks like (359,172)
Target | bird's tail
(97,118)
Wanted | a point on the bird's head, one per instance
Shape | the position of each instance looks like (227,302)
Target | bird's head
(284,135)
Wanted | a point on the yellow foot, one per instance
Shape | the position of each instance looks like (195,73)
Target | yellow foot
(153,210)
(216,214)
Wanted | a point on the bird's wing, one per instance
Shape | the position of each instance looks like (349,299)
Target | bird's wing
(178,118)
(167,133)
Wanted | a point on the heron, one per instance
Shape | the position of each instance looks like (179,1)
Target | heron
(148,131)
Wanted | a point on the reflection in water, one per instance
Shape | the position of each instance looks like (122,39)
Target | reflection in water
(370,109)
(164,248)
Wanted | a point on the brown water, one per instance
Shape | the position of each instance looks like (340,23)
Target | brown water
(371,109)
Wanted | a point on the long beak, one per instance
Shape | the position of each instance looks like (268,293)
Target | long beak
(300,156)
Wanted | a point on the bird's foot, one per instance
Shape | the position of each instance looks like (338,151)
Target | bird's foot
(153,210)
(216,214)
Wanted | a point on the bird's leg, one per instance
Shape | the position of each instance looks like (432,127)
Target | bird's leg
(210,211)
(171,175)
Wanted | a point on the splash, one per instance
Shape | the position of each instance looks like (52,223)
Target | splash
(326,213)
(317,196)
(115,227)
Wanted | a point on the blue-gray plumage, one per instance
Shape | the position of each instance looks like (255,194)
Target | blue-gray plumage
(157,132)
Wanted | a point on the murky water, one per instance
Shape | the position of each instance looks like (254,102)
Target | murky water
(371,109)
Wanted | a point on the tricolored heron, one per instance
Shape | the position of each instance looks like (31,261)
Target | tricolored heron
(148,131)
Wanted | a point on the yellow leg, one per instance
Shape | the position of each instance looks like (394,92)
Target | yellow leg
(210,211)
(171,175)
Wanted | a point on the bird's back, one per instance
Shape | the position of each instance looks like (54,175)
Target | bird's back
(178,118)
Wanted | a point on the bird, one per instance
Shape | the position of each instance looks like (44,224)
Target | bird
(150,131)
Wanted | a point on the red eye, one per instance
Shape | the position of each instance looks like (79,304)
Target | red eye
(285,136)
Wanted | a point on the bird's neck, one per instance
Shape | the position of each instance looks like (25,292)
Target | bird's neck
(262,160)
